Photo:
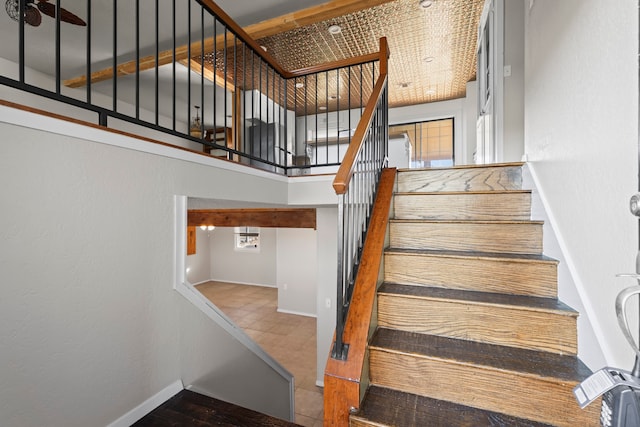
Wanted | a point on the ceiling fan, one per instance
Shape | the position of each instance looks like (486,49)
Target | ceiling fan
(33,9)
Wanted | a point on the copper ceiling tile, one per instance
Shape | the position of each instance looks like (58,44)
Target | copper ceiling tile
(445,32)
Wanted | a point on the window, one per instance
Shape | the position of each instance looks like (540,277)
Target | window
(247,239)
(431,142)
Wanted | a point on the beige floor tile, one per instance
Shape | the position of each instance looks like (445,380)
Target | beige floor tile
(288,338)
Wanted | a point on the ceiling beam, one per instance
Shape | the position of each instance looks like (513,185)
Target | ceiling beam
(269,217)
(207,72)
(269,27)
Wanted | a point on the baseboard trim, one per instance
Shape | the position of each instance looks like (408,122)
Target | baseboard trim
(241,283)
(297,313)
(148,405)
(320,383)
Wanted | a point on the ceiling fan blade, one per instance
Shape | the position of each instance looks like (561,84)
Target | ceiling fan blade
(47,8)
(65,16)
(32,16)
(71,18)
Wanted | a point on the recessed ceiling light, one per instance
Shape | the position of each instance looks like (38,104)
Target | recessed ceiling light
(430,92)
(299,85)
(334,29)
(425,3)
(322,107)
(428,59)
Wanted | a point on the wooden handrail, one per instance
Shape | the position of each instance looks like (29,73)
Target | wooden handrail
(328,66)
(344,174)
(242,34)
(343,380)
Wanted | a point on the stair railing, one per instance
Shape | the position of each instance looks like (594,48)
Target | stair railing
(355,184)
(188,75)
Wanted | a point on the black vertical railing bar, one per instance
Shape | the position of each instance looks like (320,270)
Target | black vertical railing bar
(266,105)
(285,105)
(234,107)
(306,104)
(137,60)
(173,66)
(215,86)
(243,101)
(224,67)
(21,65)
(114,67)
(260,64)
(58,48)
(188,67)
(315,136)
(157,66)
(249,148)
(338,71)
(326,97)
(202,103)
(88,51)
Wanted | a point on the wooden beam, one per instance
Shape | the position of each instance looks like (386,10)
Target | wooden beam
(269,217)
(308,16)
(208,73)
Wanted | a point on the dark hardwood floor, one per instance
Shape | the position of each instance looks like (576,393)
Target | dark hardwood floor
(192,409)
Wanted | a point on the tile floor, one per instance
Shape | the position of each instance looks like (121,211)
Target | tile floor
(290,339)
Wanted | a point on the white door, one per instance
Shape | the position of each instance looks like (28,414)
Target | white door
(489,75)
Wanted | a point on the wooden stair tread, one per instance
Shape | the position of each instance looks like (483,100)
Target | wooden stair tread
(384,406)
(529,362)
(460,193)
(194,409)
(463,221)
(464,254)
(472,166)
(476,297)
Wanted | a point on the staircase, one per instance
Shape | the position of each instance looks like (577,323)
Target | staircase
(470,330)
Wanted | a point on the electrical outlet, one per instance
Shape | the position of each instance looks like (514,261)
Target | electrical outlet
(327,302)
(507,70)
(284,287)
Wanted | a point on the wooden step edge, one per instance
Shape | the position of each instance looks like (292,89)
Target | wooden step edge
(490,299)
(458,167)
(539,365)
(410,409)
(462,193)
(495,256)
(467,221)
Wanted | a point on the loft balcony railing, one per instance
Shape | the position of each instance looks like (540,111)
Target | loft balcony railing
(184,73)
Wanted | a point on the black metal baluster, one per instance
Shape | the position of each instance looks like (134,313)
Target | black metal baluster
(88,54)
(137,59)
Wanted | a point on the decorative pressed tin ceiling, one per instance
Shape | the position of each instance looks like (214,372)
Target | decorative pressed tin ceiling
(433,50)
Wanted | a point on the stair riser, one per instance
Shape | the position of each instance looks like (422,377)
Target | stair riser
(501,325)
(473,179)
(478,274)
(511,393)
(521,238)
(480,206)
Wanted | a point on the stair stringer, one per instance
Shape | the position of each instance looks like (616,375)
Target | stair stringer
(592,342)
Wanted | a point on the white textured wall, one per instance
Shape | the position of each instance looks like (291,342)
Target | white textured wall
(253,268)
(90,325)
(199,264)
(327,223)
(581,121)
(513,136)
(296,270)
